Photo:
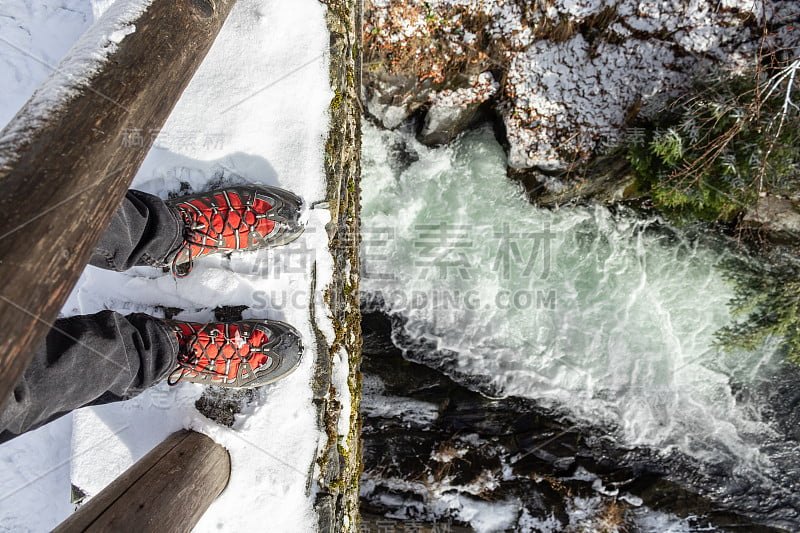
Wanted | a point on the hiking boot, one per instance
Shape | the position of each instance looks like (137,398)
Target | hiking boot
(244,217)
(242,354)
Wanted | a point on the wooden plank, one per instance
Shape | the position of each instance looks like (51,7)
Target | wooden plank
(65,166)
(169,489)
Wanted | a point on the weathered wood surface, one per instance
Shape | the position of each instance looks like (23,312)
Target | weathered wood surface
(169,489)
(61,178)
(336,501)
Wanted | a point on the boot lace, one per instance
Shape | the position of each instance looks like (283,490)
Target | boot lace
(205,224)
(197,357)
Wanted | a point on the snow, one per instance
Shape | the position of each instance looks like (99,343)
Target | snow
(436,501)
(446,501)
(571,115)
(29,50)
(340,374)
(485,517)
(412,411)
(579,9)
(577,70)
(483,88)
(530,524)
(34,487)
(83,60)
(658,522)
(256,111)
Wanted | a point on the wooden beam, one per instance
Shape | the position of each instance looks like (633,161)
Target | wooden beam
(168,489)
(66,159)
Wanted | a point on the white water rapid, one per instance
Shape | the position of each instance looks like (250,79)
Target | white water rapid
(607,316)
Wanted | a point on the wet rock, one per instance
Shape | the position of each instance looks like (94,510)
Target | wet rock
(607,180)
(782,398)
(778,218)
(77,496)
(402,155)
(443,123)
(392,99)
(222,405)
(511,450)
(372,523)
(326,508)
(454,111)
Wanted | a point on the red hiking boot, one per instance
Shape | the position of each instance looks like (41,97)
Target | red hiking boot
(243,354)
(245,217)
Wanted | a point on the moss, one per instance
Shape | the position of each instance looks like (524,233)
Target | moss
(342,166)
(336,101)
(632,191)
(713,151)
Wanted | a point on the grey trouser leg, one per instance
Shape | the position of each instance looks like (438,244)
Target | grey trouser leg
(143,231)
(105,357)
(89,360)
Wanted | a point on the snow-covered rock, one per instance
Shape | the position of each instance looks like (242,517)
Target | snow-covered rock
(572,74)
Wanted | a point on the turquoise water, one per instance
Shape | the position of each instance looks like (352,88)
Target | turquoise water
(616,327)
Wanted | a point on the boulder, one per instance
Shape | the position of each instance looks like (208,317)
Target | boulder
(777,217)
(392,99)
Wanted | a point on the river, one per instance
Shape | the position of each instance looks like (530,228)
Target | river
(607,315)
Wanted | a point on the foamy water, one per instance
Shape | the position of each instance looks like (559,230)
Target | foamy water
(609,317)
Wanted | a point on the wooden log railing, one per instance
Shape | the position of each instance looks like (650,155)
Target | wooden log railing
(169,489)
(65,164)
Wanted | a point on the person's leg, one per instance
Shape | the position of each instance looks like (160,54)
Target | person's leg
(147,230)
(143,231)
(89,360)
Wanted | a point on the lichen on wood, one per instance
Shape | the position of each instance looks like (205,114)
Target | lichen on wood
(340,460)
